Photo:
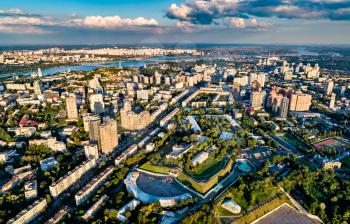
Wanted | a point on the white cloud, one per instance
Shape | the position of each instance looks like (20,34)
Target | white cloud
(20,21)
(112,22)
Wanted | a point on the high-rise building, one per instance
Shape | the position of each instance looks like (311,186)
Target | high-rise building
(328,88)
(332,101)
(37,87)
(2,59)
(72,108)
(260,78)
(108,136)
(94,123)
(236,89)
(157,78)
(300,102)
(283,111)
(96,103)
(257,99)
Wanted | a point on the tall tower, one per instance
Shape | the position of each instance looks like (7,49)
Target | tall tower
(37,87)
(94,123)
(108,136)
(283,112)
(72,108)
(328,88)
(257,99)
(300,102)
(96,103)
(332,101)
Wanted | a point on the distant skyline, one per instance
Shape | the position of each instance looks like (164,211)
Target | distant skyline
(174,21)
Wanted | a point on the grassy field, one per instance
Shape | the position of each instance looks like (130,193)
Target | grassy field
(262,210)
(155,169)
(207,169)
(292,140)
(203,187)
(346,162)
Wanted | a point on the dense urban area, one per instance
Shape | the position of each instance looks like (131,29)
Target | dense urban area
(155,135)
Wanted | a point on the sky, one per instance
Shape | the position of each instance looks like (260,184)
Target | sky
(174,21)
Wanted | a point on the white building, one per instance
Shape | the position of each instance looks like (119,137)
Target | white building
(200,158)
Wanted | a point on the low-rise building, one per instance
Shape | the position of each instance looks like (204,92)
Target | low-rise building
(30,189)
(29,214)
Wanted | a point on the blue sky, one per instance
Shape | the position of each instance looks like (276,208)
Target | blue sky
(174,21)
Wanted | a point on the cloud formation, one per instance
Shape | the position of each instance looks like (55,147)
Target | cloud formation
(16,20)
(112,22)
(210,11)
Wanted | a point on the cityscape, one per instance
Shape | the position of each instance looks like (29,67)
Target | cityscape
(197,111)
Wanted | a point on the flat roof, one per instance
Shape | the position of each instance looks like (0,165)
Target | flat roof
(285,214)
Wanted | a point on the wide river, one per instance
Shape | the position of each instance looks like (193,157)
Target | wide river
(96,65)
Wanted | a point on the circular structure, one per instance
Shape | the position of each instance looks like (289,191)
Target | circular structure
(244,166)
(232,206)
(149,188)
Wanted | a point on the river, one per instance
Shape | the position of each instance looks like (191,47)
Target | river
(96,65)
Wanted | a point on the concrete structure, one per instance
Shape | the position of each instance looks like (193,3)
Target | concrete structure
(30,189)
(135,121)
(94,132)
(71,107)
(283,110)
(200,158)
(128,207)
(328,88)
(52,143)
(91,151)
(86,192)
(96,103)
(257,99)
(29,214)
(58,187)
(231,206)
(108,136)
(168,117)
(95,207)
(133,187)
(300,102)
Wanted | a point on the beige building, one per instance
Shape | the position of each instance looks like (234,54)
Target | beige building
(72,108)
(29,214)
(300,102)
(58,187)
(132,121)
(257,99)
(328,88)
(108,136)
